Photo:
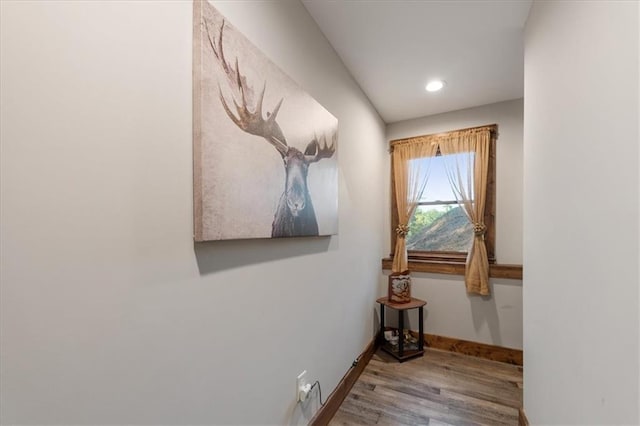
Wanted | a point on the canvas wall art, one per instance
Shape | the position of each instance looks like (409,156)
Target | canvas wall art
(265,152)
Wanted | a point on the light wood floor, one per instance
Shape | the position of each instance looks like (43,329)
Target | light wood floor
(441,388)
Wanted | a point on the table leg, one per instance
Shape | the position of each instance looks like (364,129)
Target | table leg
(421,328)
(401,333)
(381,334)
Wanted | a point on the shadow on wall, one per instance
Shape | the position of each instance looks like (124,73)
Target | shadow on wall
(376,320)
(485,311)
(303,412)
(215,256)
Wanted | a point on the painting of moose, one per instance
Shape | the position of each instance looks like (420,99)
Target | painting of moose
(244,187)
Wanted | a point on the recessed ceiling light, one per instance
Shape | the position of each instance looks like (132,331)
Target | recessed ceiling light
(435,85)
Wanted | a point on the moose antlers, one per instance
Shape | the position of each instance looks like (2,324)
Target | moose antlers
(316,152)
(251,122)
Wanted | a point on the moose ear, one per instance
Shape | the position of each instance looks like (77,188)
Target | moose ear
(312,148)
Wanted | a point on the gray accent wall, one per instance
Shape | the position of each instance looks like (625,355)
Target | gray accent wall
(581,222)
(110,314)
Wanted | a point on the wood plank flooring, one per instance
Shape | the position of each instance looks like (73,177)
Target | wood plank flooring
(441,388)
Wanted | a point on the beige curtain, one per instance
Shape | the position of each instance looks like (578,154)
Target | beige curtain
(468,176)
(410,180)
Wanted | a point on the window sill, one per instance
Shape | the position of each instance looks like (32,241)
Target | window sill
(513,272)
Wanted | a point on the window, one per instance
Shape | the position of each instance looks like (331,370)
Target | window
(439,229)
(439,223)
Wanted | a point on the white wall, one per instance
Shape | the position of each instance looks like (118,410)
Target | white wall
(450,311)
(110,313)
(582,216)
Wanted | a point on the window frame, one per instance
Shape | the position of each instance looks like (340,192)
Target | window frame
(489,215)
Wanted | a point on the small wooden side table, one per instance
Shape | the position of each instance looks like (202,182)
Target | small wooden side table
(400,352)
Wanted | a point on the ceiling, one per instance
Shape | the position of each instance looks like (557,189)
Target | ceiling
(392,48)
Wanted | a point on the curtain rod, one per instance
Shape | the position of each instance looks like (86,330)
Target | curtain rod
(493,128)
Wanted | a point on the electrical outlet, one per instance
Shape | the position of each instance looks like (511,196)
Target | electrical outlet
(301,385)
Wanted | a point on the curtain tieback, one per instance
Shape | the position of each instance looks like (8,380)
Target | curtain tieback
(479,228)
(402,230)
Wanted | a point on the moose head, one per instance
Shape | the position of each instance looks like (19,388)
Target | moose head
(294,215)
